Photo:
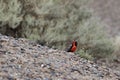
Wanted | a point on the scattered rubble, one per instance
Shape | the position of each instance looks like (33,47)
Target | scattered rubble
(22,59)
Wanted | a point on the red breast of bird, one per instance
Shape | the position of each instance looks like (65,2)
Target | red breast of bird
(73,47)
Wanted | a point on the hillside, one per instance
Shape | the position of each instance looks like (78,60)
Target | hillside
(22,59)
(109,12)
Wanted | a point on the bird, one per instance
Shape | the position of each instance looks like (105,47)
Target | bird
(73,47)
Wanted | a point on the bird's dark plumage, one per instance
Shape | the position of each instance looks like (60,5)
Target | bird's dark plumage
(73,47)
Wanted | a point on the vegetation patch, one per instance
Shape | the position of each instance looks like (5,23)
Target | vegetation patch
(54,23)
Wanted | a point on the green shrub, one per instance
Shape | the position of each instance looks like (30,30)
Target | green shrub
(94,39)
(10,16)
(85,54)
(10,13)
(116,53)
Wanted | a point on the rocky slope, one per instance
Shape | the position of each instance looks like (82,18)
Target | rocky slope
(22,59)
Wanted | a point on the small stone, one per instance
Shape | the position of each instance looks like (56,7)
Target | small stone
(42,65)
(22,50)
(100,74)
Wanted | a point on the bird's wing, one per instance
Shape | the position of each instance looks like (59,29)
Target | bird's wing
(69,48)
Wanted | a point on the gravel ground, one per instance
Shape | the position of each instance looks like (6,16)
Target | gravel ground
(22,59)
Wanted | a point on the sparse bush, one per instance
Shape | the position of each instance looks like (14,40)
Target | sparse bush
(10,13)
(85,55)
(94,39)
(55,22)
(116,54)
(10,16)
